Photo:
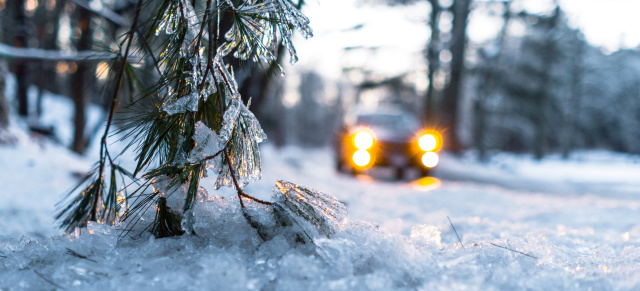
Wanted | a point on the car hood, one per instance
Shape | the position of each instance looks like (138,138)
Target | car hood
(395,136)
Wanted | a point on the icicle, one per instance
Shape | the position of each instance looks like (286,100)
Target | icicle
(317,214)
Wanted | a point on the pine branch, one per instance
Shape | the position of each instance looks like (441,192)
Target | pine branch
(114,98)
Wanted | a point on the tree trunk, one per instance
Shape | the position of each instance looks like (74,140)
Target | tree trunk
(577,72)
(433,63)
(22,75)
(544,94)
(81,80)
(461,9)
(4,106)
(489,82)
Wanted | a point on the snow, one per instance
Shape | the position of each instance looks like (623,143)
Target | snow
(524,224)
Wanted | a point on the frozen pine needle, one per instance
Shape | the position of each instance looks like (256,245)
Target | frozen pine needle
(48,280)
(325,213)
(515,251)
(77,255)
(454,230)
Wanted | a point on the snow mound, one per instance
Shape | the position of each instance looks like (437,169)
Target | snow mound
(227,253)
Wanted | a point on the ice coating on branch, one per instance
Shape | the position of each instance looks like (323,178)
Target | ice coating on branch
(196,77)
(318,214)
(172,17)
(253,35)
(223,75)
(230,119)
(181,105)
(243,132)
(199,87)
(180,14)
(207,143)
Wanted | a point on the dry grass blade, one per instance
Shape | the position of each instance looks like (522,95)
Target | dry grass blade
(77,255)
(454,230)
(48,281)
(506,248)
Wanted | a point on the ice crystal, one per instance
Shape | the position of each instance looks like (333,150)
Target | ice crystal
(253,34)
(318,214)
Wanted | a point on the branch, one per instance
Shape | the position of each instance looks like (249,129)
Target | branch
(114,98)
(107,14)
(11,52)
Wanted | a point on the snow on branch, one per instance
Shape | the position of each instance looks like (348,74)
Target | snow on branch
(103,12)
(8,51)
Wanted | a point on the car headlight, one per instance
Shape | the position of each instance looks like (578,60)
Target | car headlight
(428,142)
(363,140)
(361,158)
(430,159)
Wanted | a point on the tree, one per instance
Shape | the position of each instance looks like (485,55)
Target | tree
(192,122)
(490,74)
(453,92)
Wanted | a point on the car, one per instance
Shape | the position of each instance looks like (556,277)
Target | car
(385,138)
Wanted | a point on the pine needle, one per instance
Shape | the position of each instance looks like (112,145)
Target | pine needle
(454,230)
(77,255)
(515,251)
(48,281)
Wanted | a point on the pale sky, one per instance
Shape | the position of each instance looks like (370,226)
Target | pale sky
(391,39)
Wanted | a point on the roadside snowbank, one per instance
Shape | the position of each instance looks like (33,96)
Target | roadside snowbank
(227,254)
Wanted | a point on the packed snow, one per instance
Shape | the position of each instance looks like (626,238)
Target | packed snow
(524,224)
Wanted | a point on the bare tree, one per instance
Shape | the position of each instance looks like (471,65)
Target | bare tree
(453,92)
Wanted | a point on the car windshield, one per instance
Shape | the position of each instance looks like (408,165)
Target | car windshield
(393,122)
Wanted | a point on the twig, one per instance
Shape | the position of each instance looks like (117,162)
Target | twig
(454,230)
(233,177)
(213,156)
(114,100)
(48,281)
(255,199)
(515,251)
(75,254)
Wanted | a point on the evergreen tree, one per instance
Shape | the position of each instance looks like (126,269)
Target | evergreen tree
(191,122)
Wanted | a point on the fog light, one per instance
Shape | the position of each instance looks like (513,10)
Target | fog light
(430,159)
(361,158)
(428,142)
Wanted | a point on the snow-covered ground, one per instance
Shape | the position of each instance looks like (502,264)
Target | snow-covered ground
(524,224)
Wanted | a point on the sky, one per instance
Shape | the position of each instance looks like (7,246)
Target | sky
(391,39)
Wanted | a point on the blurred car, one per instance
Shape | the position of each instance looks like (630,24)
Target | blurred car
(386,138)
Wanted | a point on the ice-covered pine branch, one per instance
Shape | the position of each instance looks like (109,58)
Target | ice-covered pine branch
(198,126)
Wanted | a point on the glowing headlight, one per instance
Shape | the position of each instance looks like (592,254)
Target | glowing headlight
(361,158)
(430,159)
(363,140)
(428,142)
